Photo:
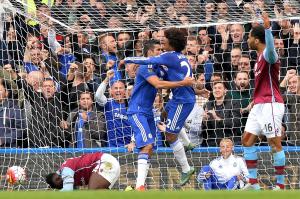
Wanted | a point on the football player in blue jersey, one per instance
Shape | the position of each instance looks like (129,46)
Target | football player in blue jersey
(140,110)
(177,67)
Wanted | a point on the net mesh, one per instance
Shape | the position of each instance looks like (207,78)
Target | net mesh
(53,51)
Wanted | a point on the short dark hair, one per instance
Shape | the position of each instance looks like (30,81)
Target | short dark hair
(124,32)
(202,28)
(177,38)
(149,45)
(88,56)
(86,92)
(218,74)
(49,180)
(245,56)
(236,48)
(200,71)
(258,32)
(220,82)
(241,71)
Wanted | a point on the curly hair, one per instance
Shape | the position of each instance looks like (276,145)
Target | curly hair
(177,38)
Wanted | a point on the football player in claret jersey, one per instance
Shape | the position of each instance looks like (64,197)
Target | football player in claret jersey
(266,115)
(97,170)
(180,106)
(225,172)
(140,110)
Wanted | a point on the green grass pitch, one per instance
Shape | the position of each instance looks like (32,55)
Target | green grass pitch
(151,195)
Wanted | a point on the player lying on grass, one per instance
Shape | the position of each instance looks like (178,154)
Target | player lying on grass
(226,172)
(97,170)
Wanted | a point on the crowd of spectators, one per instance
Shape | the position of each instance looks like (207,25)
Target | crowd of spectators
(62,82)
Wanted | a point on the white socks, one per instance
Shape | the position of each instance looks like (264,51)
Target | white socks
(143,168)
(180,155)
(184,137)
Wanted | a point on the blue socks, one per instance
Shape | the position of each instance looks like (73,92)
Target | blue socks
(279,163)
(250,155)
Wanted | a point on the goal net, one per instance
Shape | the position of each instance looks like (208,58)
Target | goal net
(59,100)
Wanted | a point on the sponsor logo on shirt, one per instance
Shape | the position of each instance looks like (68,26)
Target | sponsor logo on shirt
(150,68)
(255,69)
(121,116)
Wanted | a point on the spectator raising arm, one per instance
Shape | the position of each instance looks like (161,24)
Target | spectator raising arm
(99,96)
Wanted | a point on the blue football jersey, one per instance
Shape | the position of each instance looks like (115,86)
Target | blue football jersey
(177,68)
(118,126)
(143,94)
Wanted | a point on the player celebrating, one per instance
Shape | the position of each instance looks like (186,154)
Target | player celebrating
(267,112)
(225,172)
(97,170)
(179,107)
(140,112)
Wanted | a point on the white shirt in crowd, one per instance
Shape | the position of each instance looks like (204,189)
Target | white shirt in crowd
(193,125)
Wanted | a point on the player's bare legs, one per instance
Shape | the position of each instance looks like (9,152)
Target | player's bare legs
(98,182)
(248,139)
(278,161)
(147,149)
(250,155)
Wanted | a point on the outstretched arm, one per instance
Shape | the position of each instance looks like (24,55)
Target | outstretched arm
(158,60)
(157,83)
(67,175)
(269,53)
(147,73)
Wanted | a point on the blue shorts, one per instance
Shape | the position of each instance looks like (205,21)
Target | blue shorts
(144,129)
(177,115)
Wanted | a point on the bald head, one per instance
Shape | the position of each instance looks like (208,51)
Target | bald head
(35,79)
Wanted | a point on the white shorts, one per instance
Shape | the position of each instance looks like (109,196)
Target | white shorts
(265,119)
(109,168)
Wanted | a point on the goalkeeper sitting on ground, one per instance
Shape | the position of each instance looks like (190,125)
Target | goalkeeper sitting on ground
(226,172)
